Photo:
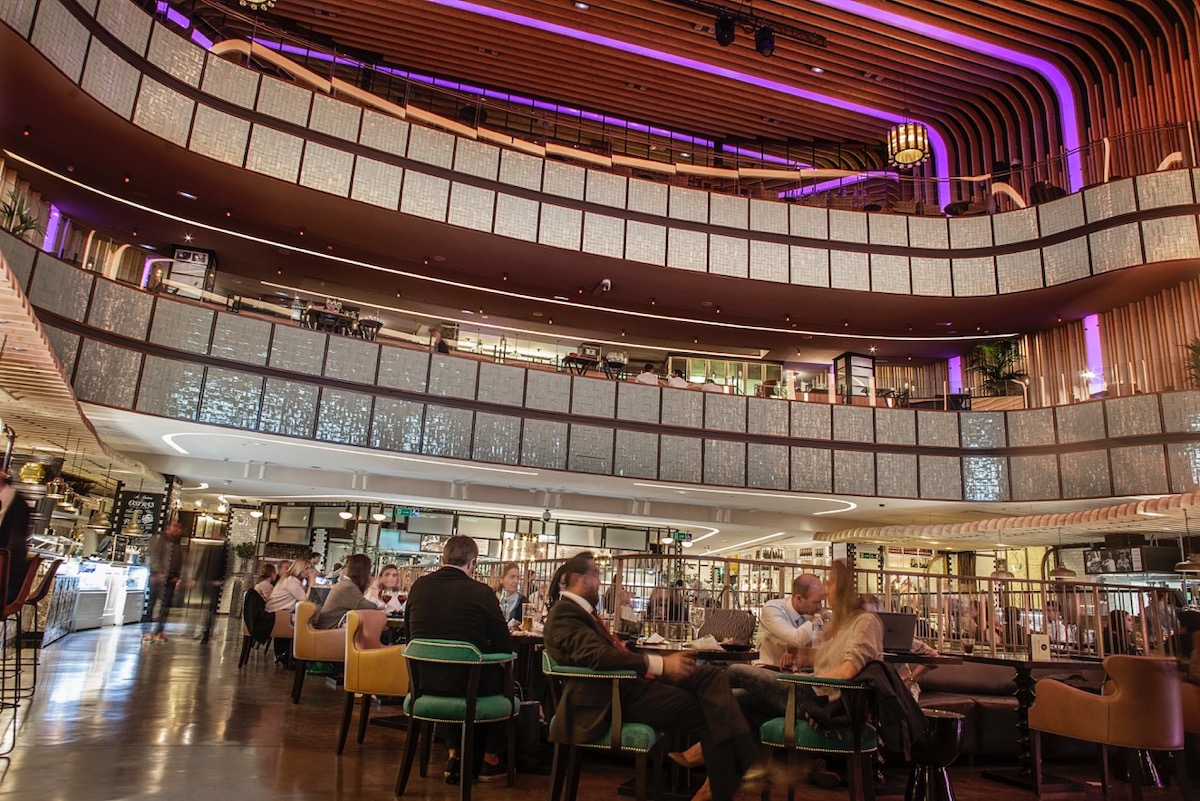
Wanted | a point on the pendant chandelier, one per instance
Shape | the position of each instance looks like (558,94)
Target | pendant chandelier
(1060,572)
(907,144)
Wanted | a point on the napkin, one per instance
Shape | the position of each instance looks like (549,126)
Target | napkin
(655,639)
(708,643)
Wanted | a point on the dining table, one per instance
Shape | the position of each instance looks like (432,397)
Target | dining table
(706,654)
(579,365)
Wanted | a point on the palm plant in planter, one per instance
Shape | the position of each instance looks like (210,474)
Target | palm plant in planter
(1191,361)
(996,363)
(16,217)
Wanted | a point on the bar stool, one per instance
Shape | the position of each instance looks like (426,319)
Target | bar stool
(10,697)
(34,636)
(937,750)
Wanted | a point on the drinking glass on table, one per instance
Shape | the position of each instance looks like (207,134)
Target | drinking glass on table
(527,617)
(968,643)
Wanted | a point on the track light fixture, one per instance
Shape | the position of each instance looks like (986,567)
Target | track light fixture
(725,29)
(764,41)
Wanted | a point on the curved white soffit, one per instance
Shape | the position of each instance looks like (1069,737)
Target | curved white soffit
(847,506)
(941,164)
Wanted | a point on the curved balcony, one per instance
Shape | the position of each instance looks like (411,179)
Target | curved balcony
(170,87)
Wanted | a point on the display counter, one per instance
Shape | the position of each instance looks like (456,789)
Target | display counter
(106,593)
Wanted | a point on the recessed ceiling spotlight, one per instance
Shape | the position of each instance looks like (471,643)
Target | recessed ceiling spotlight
(581,6)
(439,258)
(187,237)
(872,349)
(707,304)
(538,314)
(817,70)
(184,195)
(466,311)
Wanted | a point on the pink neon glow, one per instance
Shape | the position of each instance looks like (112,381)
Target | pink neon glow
(1095,356)
(956,375)
(51,237)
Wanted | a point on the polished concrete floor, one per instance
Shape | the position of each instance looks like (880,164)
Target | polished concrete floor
(115,718)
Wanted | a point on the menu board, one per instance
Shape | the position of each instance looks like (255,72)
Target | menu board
(145,507)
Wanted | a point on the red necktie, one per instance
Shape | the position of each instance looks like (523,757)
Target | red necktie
(612,635)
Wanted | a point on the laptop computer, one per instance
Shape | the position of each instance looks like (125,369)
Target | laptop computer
(898,631)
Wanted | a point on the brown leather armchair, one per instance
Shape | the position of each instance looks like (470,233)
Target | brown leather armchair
(1139,708)
(371,668)
(310,644)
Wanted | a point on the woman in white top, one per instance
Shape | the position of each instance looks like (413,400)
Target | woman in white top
(386,591)
(509,596)
(266,581)
(291,589)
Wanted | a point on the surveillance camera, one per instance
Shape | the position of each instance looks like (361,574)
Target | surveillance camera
(605,285)
(546,515)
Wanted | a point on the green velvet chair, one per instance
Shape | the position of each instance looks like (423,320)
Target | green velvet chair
(856,741)
(427,656)
(643,742)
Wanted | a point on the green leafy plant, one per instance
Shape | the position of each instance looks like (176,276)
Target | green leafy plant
(996,364)
(16,217)
(1191,361)
(245,550)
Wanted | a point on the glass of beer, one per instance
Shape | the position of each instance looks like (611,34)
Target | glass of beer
(527,617)
(968,643)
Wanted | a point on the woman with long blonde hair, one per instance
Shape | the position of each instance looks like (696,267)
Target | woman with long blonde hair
(854,637)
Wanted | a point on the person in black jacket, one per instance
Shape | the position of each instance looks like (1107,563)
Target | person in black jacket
(450,605)
(14,534)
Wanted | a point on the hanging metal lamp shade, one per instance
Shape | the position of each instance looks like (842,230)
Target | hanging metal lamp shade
(1062,573)
(132,529)
(908,144)
(1189,565)
(57,488)
(1002,571)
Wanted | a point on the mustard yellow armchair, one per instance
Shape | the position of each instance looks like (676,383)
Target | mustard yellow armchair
(370,668)
(1140,708)
(310,644)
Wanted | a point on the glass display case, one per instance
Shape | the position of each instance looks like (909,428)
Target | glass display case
(108,593)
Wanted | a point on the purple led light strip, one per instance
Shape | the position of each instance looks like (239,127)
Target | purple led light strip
(1095,355)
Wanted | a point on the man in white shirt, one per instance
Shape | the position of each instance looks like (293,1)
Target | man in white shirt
(788,622)
(711,386)
(647,376)
(677,380)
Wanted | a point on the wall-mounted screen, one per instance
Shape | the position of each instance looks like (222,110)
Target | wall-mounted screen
(394,540)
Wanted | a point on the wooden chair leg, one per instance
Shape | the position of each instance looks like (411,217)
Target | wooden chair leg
(867,775)
(426,748)
(854,776)
(793,759)
(410,753)
(347,713)
(511,755)
(298,682)
(639,777)
(1035,744)
(1134,768)
(247,641)
(573,764)
(1104,771)
(466,761)
(558,770)
(656,770)
(364,717)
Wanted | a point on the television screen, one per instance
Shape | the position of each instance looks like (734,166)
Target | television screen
(395,540)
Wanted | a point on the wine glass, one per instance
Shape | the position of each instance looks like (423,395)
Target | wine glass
(697,614)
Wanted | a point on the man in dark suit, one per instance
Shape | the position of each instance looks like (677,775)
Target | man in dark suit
(450,605)
(677,696)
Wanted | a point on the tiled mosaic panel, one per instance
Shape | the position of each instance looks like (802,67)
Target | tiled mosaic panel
(1061,215)
(973,276)
(345,416)
(854,472)
(126,21)
(19,15)
(895,427)
(1134,416)
(120,309)
(812,421)
(683,408)
(722,412)
(982,429)
(560,227)
(1109,200)
(887,229)
(1066,261)
(688,204)
(452,377)
(170,388)
(985,478)
(680,459)
(1170,239)
(110,79)
(603,235)
(1085,474)
(728,255)
(809,222)
(379,184)
(274,153)
(729,211)
(549,391)
(1116,248)
(849,270)
(447,432)
(767,416)
(1167,188)
(60,37)
(937,429)
(19,256)
(1181,411)
(767,466)
(1080,423)
(425,196)
(516,217)
(181,326)
(335,118)
(326,169)
(1020,271)
(564,180)
(477,158)
(431,146)
(499,383)
(847,226)
(1016,226)
(1139,470)
(231,398)
(402,368)
(890,274)
(285,101)
(769,217)
(352,360)
(853,424)
(724,463)
(639,402)
(636,454)
(107,374)
(812,470)
(591,450)
(521,169)
(941,477)
(397,425)
(219,136)
(931,277)
(687,250)
(383,132)
(175,55)
(896,475)
(929,232)
(1183,460)
(970,232)
(472,207)
(65,347)
(164,112)
(768,261)
(648,197)
(298,349)
(1031,427)
(544,444)
(230,82)
(646,242)
(810,266)
(288,408)
(606,189)
(497,438)
(593,397)
(1034,478)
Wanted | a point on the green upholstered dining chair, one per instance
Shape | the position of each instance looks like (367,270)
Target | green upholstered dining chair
(425,656)
(856,741)
(642,741)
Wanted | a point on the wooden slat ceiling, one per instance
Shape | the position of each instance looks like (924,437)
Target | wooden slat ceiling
(1121,57)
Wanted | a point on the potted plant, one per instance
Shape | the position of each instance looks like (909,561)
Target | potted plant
(17,218)
(996,364)
(244,551)
(1191,361)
